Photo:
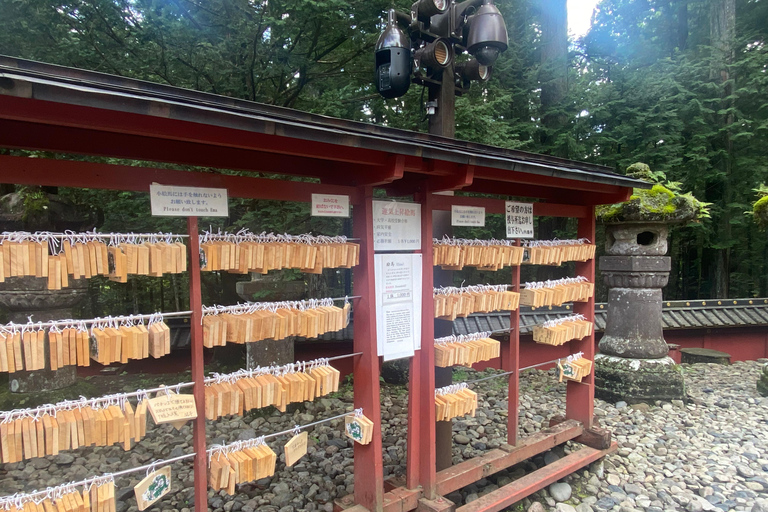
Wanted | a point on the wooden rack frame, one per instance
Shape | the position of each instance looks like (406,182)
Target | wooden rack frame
(64,110)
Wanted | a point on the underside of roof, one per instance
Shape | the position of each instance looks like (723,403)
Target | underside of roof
(66,110)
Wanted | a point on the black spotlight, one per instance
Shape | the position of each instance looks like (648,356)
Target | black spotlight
(436,54)
(393,60)
(487,34)
(425,9)
(473,70)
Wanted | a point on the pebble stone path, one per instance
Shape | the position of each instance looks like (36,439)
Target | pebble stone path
(708,454)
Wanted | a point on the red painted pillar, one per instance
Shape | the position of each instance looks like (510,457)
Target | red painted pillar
(580,396)
(413,454)
(369,465)
(510,361)
(200,464)
(421,418)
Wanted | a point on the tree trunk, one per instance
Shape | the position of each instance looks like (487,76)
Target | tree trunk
(682,25)
(553,74)
(722,27)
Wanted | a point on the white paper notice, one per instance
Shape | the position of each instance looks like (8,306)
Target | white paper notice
(398,304)
(327,205)
(519,220)
(396,226)
(467,216)
(172,201)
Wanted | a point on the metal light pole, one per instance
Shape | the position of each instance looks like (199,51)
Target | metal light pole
(435,32)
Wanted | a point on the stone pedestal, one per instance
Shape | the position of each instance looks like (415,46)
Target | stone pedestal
(762,383)
(29,296)
(633,364)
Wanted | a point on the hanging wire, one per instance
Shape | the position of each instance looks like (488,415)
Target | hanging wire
(7,501)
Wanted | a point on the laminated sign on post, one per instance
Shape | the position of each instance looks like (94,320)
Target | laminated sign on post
(396,226)
(398,304)
(172,201)
(467,216)
(519,218)
(328,205)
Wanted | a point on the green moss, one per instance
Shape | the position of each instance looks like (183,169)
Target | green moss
(760,211)
(663,202)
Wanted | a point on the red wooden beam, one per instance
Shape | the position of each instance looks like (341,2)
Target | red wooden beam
(470,471)
(580,396)
(69,173)
(200,464)
(546,180)
(369,464)
(257,133)
(495,205)
(511,493)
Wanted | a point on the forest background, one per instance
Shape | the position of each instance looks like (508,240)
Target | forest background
(681,85)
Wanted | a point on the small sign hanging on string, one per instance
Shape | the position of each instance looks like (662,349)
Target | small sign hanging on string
(358,428)
(172,408)
(156,485)
(296,448)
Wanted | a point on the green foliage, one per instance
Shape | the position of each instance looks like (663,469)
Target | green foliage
(663,202)
(760,207)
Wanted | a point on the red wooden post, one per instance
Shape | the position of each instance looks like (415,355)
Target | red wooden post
(198,368)
(510,361)
(580,396)
(413,454)
(425,374)
(369,464)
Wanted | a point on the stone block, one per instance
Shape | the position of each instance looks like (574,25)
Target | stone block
(637,380)
(636,263)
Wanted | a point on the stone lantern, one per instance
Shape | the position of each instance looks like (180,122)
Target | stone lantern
(633,364)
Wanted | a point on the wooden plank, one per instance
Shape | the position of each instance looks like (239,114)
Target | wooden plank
(494,461)
(532,482)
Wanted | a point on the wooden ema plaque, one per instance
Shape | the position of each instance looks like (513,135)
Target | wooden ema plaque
(173,408)
(296,448)
(156,485)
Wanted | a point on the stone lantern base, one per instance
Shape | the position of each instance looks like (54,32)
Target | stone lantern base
(762,383)
(637,380)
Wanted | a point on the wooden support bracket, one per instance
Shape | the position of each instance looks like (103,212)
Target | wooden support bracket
(595,437)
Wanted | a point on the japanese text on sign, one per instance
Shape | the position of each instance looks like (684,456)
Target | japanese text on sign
(396,226)
(172,201)
(172,407)
(519,220)
(398,304)
(327,205)
(467,216)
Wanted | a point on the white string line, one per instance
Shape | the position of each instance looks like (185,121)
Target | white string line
(7,501)
(478,288)
(245,235)
(11,326)
(6,416)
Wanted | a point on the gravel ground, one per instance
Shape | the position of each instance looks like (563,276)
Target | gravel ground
(708,454)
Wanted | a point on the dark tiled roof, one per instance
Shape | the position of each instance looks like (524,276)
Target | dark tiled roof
(701,314)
